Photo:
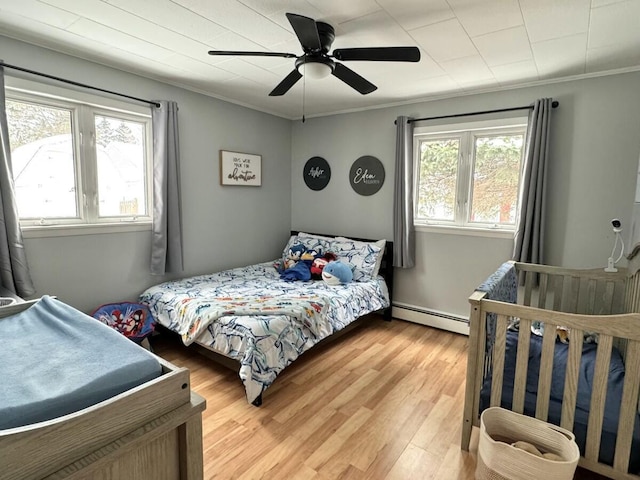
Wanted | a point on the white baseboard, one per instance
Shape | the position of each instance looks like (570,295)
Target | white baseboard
(441,320)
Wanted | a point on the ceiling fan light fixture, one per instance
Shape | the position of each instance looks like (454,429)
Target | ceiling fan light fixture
(316,62)
(315,70)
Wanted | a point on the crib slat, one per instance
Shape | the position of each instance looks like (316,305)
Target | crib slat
(528,287)
(522,362)
(591,296)
(546,367)
(632,306)
(631,291)
(557,293)
(574,290)
(628,408)
(628,292)
(542,290)
(571,379)
(607,301)
(598,397)
(498,360)
(635,293)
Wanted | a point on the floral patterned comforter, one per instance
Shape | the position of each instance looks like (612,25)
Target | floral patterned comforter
(222,312)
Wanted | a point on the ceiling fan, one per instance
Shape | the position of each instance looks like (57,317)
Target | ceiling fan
(316,39)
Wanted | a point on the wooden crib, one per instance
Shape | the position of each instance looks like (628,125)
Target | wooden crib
(583,301)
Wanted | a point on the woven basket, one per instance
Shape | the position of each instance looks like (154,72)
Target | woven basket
(498,460)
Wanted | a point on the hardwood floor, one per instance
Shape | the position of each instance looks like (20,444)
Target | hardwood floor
(382,402)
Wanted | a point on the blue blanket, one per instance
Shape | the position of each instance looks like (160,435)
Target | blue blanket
(56,360)
(501,286)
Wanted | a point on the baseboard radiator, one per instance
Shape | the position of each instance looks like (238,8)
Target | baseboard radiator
(431,318)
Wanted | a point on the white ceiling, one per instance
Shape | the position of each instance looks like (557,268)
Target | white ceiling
(466,45)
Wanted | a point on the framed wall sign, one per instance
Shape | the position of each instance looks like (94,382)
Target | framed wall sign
(317,173)
(240,169)
(366,175)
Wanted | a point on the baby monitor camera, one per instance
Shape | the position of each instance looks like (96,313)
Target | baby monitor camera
(611,262)
(616,225)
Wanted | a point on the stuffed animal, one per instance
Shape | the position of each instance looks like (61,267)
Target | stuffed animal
(335,273)
(302,269)
(563,334)
(293,255)
(319,263)
(533,450)
(527,447)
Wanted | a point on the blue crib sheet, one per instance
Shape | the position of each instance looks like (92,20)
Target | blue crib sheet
(585,382)
(56,360)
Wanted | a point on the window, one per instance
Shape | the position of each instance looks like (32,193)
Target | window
(76,163)
(468,175)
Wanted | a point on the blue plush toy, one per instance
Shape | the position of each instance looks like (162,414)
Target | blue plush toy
(335,273)
(293,255)
(302,269)
(291,259)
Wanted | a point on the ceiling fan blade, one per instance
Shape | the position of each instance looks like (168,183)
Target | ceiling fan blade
(284,86)
(378,54)
(306,31)
(252,54)
(352,79)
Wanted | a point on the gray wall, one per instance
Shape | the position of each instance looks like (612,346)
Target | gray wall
(591,179)
(223,226)
(595,147)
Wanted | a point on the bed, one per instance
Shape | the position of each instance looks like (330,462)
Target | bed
(558,344)
(81,401)
(264,323)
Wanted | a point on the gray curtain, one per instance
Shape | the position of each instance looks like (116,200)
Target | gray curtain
(166,245)
(529,236)
(403,232)
(14,270)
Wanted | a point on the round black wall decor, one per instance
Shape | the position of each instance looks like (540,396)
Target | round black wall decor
(366,175)
(317,173)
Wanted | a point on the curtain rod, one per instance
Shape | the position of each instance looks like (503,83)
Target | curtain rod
(554,104)
(78,84)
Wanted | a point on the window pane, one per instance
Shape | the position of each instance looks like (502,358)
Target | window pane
(120,151)
(438,173)
(42,160)
(496,179)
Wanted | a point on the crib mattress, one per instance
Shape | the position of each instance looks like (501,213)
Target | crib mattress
(585,382)
(55,360)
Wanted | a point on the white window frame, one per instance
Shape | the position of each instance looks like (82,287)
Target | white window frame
(84,107)
(464,180)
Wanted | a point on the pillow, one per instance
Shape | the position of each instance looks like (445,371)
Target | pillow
(133,320)
(381,244)
(315,242)
(362,256)
(309,241)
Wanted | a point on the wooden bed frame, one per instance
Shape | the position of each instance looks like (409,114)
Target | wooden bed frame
(153,431)
(386,271)
(582,300)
